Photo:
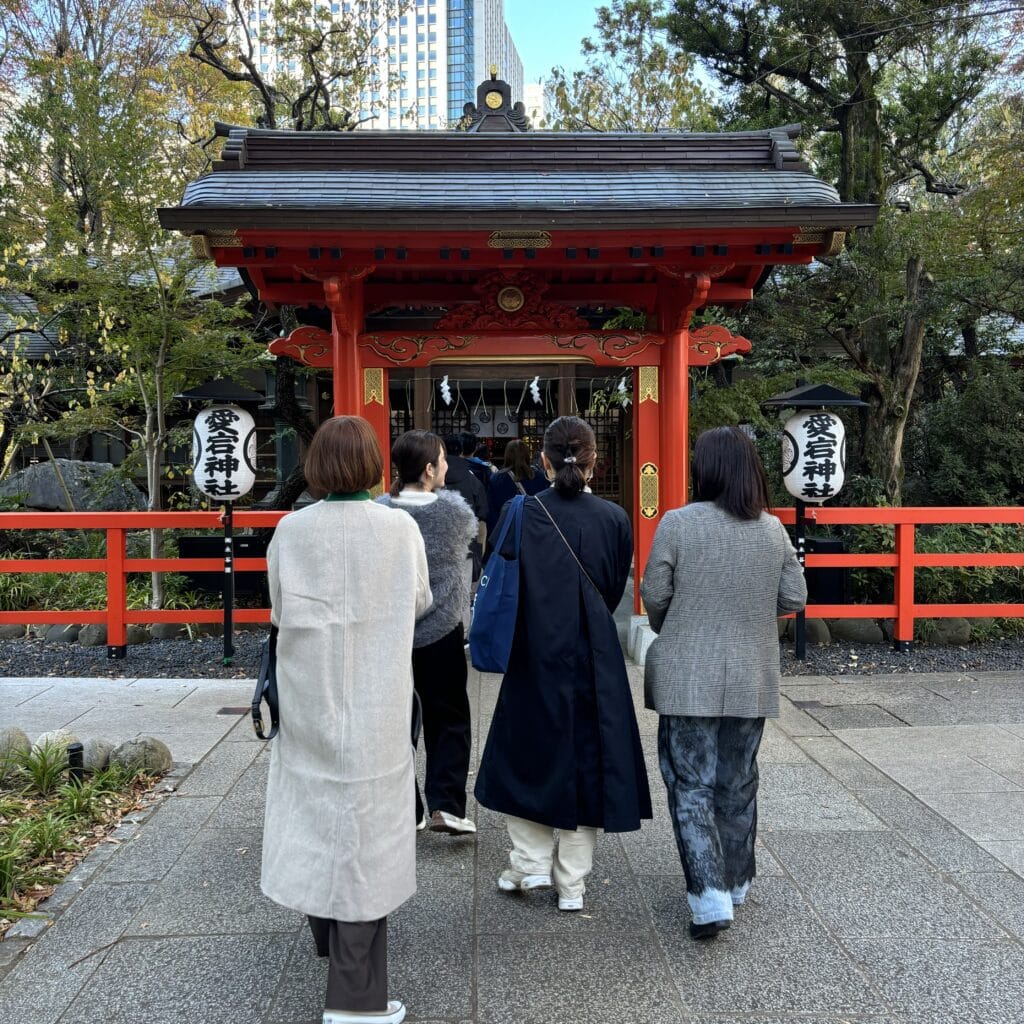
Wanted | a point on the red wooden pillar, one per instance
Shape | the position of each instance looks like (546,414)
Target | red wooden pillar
(679,295)
(647,467)
(344,297)
(376,408)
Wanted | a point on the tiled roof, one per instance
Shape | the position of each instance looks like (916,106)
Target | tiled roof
(17,308)
(437,180)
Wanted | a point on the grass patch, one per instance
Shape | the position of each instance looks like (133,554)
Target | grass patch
(48,823)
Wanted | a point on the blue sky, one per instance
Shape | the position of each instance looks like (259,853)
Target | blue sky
(548,32)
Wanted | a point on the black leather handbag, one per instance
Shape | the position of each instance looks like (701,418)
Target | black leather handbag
(266,688)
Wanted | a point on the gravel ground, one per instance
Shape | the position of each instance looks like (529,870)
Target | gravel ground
(203,658)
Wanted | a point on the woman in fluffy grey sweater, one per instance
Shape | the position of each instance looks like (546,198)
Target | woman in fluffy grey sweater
(439,666)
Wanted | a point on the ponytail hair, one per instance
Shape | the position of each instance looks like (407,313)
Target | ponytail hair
(413,451)
(571,448)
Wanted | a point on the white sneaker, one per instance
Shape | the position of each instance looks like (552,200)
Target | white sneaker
(421,825)
(511,880)
(442,821)
(570,902)
(394,1014)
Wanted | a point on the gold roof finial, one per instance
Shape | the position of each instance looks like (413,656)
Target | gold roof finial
(494,72)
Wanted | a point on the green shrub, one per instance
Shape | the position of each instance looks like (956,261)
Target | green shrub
(42,769)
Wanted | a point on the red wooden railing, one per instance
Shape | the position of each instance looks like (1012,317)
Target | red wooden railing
(116,565)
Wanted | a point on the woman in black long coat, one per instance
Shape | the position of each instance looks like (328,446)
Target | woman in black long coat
(564,750)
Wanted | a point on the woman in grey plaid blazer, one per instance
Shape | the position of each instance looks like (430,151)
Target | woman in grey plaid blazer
(721,569)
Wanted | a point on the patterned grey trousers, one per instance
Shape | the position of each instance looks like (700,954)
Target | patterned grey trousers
(710,770)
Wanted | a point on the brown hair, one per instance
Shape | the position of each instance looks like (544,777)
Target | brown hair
(412,453)
(728,471)
(344,457)
(517,460)
(570,438)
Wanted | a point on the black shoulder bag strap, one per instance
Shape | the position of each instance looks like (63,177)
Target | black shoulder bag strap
(266,688)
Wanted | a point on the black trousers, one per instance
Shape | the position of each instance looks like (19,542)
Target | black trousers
(440,676)
(357,978)
(710,770)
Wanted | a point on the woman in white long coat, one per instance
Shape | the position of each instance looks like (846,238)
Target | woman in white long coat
(348,578)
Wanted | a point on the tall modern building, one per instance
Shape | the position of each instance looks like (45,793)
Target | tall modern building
(438,51)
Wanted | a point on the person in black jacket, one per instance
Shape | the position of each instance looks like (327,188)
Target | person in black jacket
(461,478)
(564,750)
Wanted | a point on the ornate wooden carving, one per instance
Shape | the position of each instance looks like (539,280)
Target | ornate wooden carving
(647,384)
(712,342)
(491,314)
(311,346)
(649,490)
(414,347)
(373,386)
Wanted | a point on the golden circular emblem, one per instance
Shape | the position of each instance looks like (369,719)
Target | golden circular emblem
(510,299)
(494,99)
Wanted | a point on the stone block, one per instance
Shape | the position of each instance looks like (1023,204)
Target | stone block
(785,628)
(208,628)
(168,631)
(94,634)
(137,634)
(93,487)
(13,741)
(949,632)
(817,632)
(144,753)
(61,738)
(96,753)
(62,634)
(12,631)
(856,631)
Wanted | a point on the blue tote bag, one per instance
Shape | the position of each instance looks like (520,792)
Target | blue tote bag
(497,597)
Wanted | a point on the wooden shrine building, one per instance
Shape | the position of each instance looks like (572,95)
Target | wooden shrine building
(499,253)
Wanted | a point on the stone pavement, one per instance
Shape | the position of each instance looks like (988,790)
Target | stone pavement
(890,889)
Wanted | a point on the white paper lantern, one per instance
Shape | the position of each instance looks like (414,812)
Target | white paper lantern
(224,452)
(814,455)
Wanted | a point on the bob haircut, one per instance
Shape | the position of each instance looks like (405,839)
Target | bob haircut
(412,452)
(344,457)
(571,438)
(727,471)
(517,460)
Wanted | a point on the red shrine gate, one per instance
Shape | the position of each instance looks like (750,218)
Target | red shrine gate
(503,246)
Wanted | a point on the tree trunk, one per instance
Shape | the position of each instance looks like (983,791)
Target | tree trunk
(861,179)
(287,408)
(156,537)
(891,394)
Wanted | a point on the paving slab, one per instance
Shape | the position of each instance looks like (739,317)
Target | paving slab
(776,959)
(1010,853)
(153,851)
(65,956)
(188,980)
(843,764)
(540,978)
(1000,893)
(985,979)
(806,797)
(851,862)
(982,816)
(213,889)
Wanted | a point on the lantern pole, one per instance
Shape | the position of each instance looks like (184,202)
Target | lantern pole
(229,582)
(800,625)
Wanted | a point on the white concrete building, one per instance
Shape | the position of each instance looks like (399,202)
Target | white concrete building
(438,50)
(535,101)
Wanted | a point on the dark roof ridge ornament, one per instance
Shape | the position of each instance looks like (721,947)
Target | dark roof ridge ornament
(494,110)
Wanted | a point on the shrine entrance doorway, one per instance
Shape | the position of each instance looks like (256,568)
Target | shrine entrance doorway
(497,403)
